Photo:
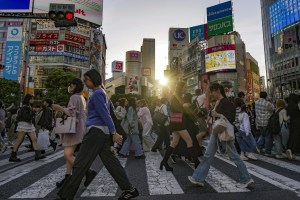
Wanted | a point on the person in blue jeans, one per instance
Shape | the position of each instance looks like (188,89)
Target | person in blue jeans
(130,126)
(224,109)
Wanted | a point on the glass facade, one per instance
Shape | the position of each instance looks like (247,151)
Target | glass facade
(280,21)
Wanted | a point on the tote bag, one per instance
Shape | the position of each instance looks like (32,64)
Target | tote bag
(228,134)
(65,125)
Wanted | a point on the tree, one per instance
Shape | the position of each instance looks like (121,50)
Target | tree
(9,92)
(57,85)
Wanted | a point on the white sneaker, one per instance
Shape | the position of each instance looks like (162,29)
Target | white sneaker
(193,181)
(245,185)
(252,156)
(289,154)
(243,157)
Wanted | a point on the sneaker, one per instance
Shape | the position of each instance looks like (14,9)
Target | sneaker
(3,149)
(195,182)
(279,156)
(243,157)
(251,156)
(289,154)
(129,194)
(245,185)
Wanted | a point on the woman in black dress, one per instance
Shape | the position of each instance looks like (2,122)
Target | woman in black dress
(178,127)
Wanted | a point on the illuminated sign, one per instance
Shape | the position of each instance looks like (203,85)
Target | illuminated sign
(221,60)
(12,6)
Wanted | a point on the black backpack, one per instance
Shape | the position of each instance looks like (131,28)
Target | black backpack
(25,114)
(273,124)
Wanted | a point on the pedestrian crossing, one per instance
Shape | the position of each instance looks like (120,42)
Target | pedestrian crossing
(36,179)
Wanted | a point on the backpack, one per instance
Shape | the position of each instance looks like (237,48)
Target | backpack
(273,123)
(25,114)
(197,109)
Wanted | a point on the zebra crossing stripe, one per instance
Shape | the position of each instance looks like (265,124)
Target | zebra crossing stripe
(270,177)
(8,150)
(220,182)
(103,184)
(160,182)
(285,165)
(19,171)
(42,187)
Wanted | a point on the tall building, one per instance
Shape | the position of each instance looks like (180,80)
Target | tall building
(225,62)
(253,80)
(148,59)
(280,23)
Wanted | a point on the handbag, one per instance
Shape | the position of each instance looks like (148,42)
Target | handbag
(159,117)
(220,125)
(65,125)
(228,134)
(176,118)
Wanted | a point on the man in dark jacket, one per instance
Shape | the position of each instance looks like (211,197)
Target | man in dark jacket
(46,120)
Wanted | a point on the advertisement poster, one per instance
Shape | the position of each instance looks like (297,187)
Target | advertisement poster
(91,10)
(222,60)
(219,11)
(250,91)
(117,66)
(12,6)
(229,87)
(133,84)
(96,49)
(12,59)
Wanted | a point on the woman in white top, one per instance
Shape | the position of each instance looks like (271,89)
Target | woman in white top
(144,116)
(282,138)
(164,129)
(120,111)
(244,136)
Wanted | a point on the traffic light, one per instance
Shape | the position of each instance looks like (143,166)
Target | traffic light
(62,14)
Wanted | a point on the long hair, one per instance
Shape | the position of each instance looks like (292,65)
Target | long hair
(132,103)
(216,87)
(27,99)
(95,77)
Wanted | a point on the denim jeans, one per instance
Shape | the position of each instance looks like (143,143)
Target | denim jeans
(247,143)
(135,140)
(265,139)
(281,139)
(201,171)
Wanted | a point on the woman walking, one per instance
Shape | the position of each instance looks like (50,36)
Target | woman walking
(224,109)
(25,119)
(145,117)
(178,127)
(130,126)
(76,108)
(100,129)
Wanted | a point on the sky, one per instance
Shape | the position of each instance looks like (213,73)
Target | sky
(127,22)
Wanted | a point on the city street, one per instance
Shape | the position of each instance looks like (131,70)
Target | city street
(274,179)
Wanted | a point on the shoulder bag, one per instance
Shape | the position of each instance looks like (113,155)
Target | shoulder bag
(159,117)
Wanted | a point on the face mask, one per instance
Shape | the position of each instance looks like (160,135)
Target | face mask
(69,90)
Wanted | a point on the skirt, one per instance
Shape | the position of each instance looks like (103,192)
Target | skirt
(25,127)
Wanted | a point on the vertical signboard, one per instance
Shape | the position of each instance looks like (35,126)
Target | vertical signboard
(178,38)
(13,53)
(219,19)
(197,32)
(117,66)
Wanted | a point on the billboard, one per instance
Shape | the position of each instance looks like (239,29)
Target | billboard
(133,84)
(197,32)
(220,48)
(117,66)
(219,26)
(13,6)
(146,71)
(12,60)
(283,13)
(91,10)
(221,60)
(45,48)
(178,38)
(219,11)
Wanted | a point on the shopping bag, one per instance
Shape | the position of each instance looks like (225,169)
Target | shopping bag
(43,140)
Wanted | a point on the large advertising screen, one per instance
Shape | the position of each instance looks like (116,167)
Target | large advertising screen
(219,11)
(221,60)
(88,10)
(283,13)
(12,6)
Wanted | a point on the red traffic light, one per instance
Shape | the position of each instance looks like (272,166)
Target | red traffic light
(69,15)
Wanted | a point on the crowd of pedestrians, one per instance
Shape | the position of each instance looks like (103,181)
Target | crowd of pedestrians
(177,126)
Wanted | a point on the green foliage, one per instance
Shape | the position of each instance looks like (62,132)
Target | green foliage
(9,92)
(57,85)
